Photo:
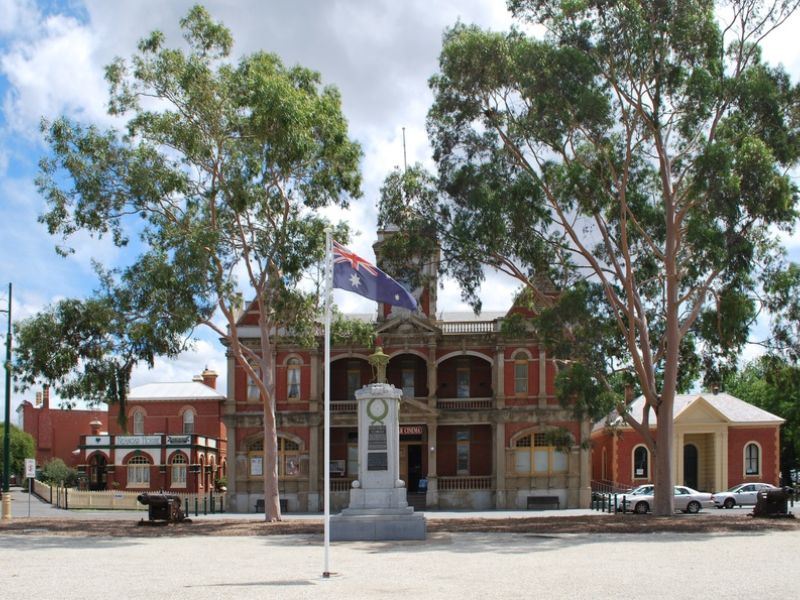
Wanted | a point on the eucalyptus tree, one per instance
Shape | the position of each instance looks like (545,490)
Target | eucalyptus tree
(772,382)
(628,165)
(221,171)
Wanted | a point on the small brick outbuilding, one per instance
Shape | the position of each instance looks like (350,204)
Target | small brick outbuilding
(720,441)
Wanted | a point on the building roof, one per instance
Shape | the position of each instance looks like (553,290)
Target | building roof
(183,390)
(730,408)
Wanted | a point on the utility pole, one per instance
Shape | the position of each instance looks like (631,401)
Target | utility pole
(7,429)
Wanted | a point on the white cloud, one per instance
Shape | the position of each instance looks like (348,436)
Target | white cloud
(379,53)
(205,353)
(52,74)
(17,16)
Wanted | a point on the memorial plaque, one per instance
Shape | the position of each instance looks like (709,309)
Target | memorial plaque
(377,437)
(377,461)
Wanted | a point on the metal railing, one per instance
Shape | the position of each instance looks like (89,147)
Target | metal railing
(464,483)
(610,503)
(464,403)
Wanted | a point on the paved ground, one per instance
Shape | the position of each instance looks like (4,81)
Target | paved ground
(41,565)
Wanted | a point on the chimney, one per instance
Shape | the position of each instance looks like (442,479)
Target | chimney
(46,396)
(628,393)
(95,425)
(210,378)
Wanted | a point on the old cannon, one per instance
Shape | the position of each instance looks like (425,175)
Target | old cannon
(772,503)
(163,507)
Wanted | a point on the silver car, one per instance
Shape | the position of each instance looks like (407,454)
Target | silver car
(686,500)
(744,493)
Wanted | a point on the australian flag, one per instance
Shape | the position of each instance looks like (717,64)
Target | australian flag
(354,274)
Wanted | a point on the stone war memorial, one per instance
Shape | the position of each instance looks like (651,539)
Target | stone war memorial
(378,508)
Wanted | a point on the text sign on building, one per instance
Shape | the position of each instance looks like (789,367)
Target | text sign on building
(411,429)
(30,468)
(377,437)
(138,440)
(179,439)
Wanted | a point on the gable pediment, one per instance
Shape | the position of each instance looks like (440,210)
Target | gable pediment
(700,411)
(407,325)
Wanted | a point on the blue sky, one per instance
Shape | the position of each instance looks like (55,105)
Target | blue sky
(380,53)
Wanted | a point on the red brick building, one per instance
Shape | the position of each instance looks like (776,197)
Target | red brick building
(175,440)
(720,441)
(57,431)
(477,417)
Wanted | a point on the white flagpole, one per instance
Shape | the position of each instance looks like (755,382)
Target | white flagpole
(327,401)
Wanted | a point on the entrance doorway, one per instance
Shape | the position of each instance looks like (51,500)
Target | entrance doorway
(411,464)
(690,470)
(97,472)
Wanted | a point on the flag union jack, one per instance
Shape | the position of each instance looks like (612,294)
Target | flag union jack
(343,255)
(354,274)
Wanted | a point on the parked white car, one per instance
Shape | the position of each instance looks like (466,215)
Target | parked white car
(744,493)
(641,490)
(686,500)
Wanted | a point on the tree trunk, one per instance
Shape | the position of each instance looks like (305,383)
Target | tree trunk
(664,502)
(272,506)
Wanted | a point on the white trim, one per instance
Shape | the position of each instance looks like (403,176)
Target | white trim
(634,476)
(760,457)
(459,353)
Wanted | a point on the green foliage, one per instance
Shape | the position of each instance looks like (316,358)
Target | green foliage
(56,472)
(224,176)
(220,175)
(630,168)
(773,384)
(356,333)
(21,446)
(560,438)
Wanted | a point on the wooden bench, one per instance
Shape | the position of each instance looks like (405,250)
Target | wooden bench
(543,503)
(260,505)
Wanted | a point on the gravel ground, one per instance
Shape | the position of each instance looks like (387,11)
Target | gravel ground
(551,554)
(446,565)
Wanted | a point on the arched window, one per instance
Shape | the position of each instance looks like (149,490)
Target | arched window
(139,472)
(752,459)
(520,373)
(641,463)
(138,422)
(188,421)
(293,378)
(534,455)
(178,471)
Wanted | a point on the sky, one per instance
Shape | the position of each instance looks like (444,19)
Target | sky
(379,53)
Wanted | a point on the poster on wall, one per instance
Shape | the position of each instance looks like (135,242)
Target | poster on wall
(256,465)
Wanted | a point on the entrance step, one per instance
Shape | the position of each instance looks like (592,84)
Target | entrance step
(416,500)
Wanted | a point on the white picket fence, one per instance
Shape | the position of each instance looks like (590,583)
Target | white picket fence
(71,498)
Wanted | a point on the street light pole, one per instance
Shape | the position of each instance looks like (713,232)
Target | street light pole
(7,429)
